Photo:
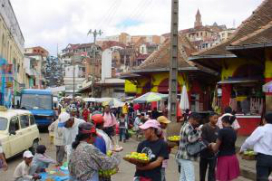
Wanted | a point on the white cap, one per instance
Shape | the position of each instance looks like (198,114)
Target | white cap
(28,154)
(63,117)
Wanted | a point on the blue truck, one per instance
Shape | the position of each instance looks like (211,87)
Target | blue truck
(40,104)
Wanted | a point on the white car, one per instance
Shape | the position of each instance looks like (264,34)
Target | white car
(18,131)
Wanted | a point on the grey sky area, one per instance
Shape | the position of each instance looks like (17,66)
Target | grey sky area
(51,22)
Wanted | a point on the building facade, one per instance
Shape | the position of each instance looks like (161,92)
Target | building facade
(11,54)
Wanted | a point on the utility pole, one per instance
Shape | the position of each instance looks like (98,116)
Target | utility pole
(74,79)
(173,73)
(95,34)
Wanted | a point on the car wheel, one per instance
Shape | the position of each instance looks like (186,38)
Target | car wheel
(34,146)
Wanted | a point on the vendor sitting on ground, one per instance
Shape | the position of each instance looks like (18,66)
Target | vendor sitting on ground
(25,171)
(41,160)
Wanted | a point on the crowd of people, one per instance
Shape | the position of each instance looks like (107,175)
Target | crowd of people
(86,135)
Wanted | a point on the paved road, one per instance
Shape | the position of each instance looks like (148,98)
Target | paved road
(126,169)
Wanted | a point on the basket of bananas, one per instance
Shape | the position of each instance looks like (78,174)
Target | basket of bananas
(137,158)
(173,138)
(107,173)
(249,155)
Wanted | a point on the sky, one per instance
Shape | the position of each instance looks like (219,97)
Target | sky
(56,23)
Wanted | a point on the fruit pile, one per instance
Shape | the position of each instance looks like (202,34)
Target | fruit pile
(250,153)
(137,158)
(174,138)
(107,173)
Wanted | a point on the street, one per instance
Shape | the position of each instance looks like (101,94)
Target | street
(125,173)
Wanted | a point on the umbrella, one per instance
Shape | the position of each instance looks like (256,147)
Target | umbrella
(150,97)
(113,102)
(184,100)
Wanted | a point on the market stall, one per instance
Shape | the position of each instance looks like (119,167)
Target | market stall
(245,97)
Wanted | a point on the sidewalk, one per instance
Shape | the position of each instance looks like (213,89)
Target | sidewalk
(247,168)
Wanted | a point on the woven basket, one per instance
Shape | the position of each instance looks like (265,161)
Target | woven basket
(136,161)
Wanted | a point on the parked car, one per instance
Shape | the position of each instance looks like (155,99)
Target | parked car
(18,131)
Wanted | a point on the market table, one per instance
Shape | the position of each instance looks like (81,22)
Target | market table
(56,175)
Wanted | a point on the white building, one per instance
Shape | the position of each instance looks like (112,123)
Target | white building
(225,34)
(77,71)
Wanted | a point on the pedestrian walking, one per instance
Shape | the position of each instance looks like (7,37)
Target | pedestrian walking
(227,162)
(86,113)
(164,123)
(86,159)
(189,133)
(208,157)
(71,130)
(261,141)
(156,150)
(57,128)
(122,128)
(110,122)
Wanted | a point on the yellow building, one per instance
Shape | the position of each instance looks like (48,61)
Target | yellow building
(153,75)
(11,54)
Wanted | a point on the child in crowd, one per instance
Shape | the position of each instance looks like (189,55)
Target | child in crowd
(227,164)
(207,156)
(41,160)
(25,171)
(122,128)
(156,150)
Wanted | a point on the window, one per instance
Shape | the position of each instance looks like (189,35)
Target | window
(3,123)
(32,120)
(14,124)
(24,121)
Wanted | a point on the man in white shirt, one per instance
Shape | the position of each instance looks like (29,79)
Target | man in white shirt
(228,112)
(261,141)
(25,171)
(2,159)
(71,130)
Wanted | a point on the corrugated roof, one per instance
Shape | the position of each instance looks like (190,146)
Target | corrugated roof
(161,58)
(260,17)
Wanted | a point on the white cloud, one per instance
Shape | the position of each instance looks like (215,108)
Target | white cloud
(51,22)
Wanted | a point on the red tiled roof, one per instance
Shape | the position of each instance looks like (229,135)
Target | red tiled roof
(260,17)
(161,58)
(260,36)
(109,44)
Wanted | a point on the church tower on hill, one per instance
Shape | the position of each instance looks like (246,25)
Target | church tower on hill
(198,22)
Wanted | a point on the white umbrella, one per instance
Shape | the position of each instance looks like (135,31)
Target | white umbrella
(184,100)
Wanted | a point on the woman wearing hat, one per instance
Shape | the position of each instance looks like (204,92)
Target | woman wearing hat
(164,123)
(156,150)
(86,160)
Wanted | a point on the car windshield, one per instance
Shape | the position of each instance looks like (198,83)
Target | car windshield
(35,101)
(3,124)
